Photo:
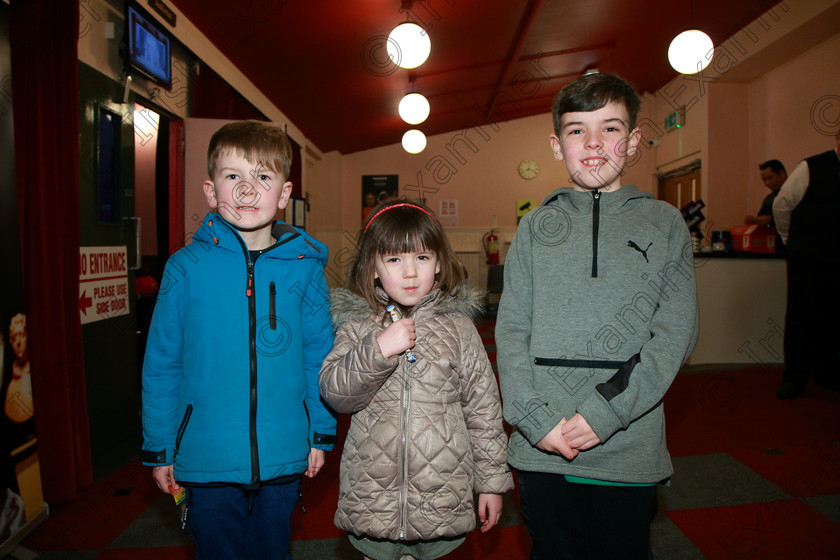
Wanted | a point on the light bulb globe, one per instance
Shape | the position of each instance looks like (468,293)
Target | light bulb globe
(408,45)
(414,141)
(690,51)
(414,108)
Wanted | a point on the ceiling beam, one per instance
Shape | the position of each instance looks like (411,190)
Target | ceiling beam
(515,51)
(586,48)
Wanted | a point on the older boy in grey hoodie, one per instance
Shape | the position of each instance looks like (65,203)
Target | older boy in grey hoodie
(598,313)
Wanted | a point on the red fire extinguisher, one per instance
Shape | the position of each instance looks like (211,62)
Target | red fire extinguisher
(491,247)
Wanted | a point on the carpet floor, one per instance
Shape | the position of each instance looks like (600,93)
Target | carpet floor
(755,478)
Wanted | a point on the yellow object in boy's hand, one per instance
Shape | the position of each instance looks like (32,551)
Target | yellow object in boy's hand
(178,494)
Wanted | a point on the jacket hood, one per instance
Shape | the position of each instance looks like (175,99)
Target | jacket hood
(469,301)
(580,199)
(292,243)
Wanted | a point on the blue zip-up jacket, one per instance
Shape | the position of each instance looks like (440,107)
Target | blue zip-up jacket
(230,377)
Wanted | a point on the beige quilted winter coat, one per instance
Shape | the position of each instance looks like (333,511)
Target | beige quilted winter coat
(425,435)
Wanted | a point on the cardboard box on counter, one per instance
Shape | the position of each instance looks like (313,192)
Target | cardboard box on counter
(754,239)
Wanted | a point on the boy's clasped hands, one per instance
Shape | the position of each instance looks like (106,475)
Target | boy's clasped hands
(570,437)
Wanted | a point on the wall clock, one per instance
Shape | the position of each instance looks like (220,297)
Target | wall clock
(528,169)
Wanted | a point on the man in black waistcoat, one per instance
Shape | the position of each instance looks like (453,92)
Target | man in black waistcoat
(806,211)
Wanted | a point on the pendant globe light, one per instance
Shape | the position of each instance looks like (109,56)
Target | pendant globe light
(689,51)
(408,45)
(414,141)
(414,108)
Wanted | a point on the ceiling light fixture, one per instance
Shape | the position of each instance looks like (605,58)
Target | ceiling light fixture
(414,141)
(690,51)
(414,108)
(408,45)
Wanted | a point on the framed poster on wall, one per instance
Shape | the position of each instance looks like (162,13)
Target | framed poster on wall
(377,189)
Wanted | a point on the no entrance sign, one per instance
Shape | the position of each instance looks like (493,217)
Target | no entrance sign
(103,283)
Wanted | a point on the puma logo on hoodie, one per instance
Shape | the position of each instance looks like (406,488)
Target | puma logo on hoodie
(639,249)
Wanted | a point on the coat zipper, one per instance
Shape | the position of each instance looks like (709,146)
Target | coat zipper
(404,474)
(596,218)
(252,351)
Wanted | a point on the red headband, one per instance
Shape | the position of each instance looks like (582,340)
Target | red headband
(397,206)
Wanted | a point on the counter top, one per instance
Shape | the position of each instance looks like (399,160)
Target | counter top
(739,255)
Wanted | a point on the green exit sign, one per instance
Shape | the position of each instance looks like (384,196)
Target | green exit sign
(674,120)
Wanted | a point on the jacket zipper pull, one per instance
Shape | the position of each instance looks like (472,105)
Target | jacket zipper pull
(249,288)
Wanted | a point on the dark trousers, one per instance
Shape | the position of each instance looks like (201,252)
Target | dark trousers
(812,321)
(222,527)
(570,521)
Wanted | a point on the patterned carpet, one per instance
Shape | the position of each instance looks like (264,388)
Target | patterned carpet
(756,478)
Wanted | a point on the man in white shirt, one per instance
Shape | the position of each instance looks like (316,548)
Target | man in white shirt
(806,212)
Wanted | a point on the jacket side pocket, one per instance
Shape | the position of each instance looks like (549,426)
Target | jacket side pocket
(181,429)
(272,306)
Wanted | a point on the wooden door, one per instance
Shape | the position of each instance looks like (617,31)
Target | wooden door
(107,312)
(680,189)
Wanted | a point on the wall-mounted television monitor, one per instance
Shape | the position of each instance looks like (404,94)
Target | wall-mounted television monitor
(148,47)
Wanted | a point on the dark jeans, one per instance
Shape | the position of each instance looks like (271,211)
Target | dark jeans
(222,527)
(570,521)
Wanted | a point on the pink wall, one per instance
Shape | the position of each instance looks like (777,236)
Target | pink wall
(478,168)
(145,144)
(792,110)
(728,173)
(322,182)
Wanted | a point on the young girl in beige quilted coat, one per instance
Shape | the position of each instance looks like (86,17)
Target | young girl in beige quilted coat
(426,431)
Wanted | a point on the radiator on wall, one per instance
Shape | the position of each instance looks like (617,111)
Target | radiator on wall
(476,264)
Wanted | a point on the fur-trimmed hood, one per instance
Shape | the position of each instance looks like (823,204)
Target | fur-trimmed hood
(469,300)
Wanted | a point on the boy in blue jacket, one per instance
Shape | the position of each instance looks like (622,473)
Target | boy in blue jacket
(598,313)
(231,409)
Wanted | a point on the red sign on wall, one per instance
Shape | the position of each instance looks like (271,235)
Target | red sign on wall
(103,283)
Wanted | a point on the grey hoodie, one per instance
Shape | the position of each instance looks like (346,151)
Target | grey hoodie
(598,313)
